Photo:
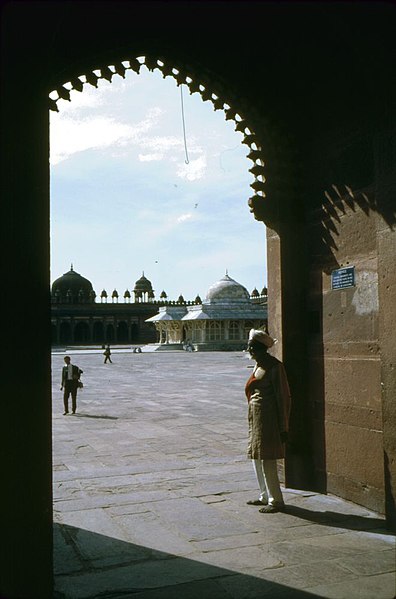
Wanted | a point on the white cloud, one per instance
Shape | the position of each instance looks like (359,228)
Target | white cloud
(183,218)
(161,144)
(194,170)
(169,147)
(71,134)
(150,157)
(91,97)
(155,112)
(88,98)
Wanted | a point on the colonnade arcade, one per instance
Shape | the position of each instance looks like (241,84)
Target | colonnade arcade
(94,330)
(206,331)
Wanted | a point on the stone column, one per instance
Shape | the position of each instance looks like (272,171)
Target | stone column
(72,325)
(386,244)
(115,325)
(26,529)
(286,322)
(91,324)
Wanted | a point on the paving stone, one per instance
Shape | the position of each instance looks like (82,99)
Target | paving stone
(128,469)
(248,559)
(150,490)
(304,576)
(209,499)
(368,587)
(249,587)
(105,500)
(348,542)
(230,542)
(273,534)
(252,516)
(122,510)
(230,587)
(215,470)
(65,490)
(303,551)
(97,521)
(144,575)
(223,487)
(331,507)
(147,529)
(66,558)
(131,484)
(371,563)
(291,533)
(200,589)
(99,550)
(197,521)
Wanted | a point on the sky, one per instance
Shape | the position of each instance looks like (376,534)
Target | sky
(124,200)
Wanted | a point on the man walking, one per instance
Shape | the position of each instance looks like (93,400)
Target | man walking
(70,383)
(107,354)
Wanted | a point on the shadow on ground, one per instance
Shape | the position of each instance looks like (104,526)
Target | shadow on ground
(339,520)
(104,417)
(90,565)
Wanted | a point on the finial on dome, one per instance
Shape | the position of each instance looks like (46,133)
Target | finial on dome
(71,266)
(226,272)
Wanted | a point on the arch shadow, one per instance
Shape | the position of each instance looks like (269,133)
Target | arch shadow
(92,565)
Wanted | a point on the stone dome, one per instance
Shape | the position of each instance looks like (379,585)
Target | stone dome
(143,284)
(227,291)
(72,288)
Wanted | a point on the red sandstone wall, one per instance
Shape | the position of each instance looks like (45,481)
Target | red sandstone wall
(345,367)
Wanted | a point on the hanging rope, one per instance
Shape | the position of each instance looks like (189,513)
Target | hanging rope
(184,125)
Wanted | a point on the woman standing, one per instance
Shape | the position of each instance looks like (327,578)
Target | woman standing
(268,395)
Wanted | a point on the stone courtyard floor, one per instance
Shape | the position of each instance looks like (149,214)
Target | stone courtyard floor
(150,491)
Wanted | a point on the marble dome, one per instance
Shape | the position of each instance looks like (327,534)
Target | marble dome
(227,291)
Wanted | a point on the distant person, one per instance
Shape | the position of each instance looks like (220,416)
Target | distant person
(268,396)
(70,383)
(107,354)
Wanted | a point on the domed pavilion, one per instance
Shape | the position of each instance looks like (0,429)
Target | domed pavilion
(143,290)
(221,322)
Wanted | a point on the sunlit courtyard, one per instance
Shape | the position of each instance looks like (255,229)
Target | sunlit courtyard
(150,490)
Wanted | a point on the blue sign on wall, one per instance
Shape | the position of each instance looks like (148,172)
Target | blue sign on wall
(343,277)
